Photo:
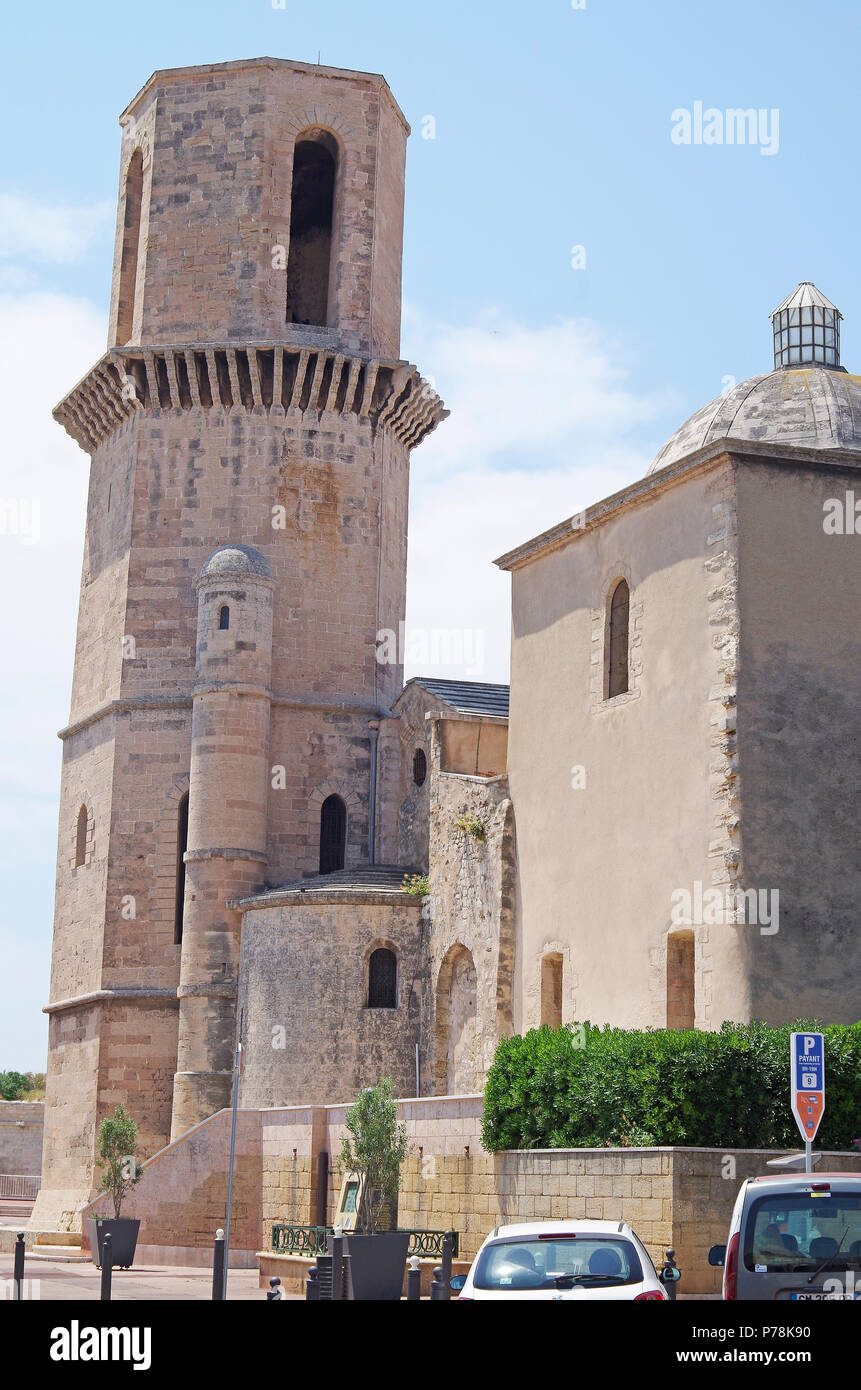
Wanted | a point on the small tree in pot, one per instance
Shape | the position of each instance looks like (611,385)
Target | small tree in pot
(118,1138)
(374,1151)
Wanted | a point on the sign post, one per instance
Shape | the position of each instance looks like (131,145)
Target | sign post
(807,1087)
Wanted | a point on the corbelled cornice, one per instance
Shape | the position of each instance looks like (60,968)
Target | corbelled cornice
(312,381)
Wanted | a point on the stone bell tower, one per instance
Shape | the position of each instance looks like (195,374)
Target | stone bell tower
(249,427)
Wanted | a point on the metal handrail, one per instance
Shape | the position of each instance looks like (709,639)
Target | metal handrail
(24,1186)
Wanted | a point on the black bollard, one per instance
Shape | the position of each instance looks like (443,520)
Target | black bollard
(312,1287)
(337,1249)
(18,1273)
(107,1267)
(218,1268)
(437,1289)
(670,1275)
(274,1290)
(414,1280)
(447,1251)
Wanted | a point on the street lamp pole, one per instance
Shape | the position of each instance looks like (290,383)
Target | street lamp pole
(237,1068)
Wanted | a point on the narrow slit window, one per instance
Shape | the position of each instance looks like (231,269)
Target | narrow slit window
(81,838)
(681,980)
(383,979)
(181,847)
(551,989)
(617,669)
(420,767)
(312,205)
(223,618)
(131,249)
(333,834)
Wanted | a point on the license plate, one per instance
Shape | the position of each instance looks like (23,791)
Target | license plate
(820,1296)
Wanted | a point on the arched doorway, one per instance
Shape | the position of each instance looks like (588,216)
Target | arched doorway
(457,1063)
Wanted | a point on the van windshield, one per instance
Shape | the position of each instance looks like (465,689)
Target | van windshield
(803,1230)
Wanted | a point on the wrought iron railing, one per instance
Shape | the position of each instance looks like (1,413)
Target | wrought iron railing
(311,1240)
(20,1185)
(300,1240)
(429,1243)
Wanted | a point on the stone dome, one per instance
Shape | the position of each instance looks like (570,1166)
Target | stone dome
(809,407)
(236,560)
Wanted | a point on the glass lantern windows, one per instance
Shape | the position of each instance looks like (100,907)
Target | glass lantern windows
(807,335)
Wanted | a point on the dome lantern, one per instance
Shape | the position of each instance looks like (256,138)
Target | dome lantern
(806,330)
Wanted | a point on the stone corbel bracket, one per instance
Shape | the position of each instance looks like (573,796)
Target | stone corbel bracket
(269,377)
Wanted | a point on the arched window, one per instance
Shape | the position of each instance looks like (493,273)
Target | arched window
(680,979)
(551,989)
(333,834)
(81,838)
(383,979)
(617,666)
(131,249)
(312,204)
(420,767)
(181,847)
(223,617)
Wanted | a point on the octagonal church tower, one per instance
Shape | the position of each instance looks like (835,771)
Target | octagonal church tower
(250,427)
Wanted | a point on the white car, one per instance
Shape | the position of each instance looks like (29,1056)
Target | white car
(563,1259)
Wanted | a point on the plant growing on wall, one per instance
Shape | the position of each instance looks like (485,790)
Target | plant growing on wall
(374,1151)
(416,884)
(118,1137)
(471,825)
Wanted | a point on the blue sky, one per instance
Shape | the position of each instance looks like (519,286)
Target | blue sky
(552,130)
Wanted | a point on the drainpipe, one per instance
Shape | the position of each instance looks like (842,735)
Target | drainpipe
(372,828)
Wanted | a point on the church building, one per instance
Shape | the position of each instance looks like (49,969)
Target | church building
(264,834)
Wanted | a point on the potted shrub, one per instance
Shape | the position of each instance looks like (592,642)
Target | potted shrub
(118,1137)
(374,1151)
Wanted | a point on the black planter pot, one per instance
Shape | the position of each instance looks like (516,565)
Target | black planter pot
(377,1265)
(124,1238)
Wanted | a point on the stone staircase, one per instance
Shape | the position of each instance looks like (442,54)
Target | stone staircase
(42,1245)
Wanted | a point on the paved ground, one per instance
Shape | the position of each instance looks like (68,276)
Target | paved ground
(56,1280)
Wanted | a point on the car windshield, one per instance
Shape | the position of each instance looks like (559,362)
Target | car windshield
(804,1230)
(558,1261)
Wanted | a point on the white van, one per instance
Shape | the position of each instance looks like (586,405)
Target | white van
(795,1237)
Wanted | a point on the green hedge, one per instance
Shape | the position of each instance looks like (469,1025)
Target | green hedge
(660,1086)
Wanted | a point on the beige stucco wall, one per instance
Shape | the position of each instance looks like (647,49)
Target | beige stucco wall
(597,865)
(799,752)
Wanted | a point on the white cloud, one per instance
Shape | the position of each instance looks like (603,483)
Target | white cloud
(49,232)
(537,432)
(47,342)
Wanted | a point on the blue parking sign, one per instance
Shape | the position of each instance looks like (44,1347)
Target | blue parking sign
(807,1082)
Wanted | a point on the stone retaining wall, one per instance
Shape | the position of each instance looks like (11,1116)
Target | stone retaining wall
(674,1198)
(21,1124)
